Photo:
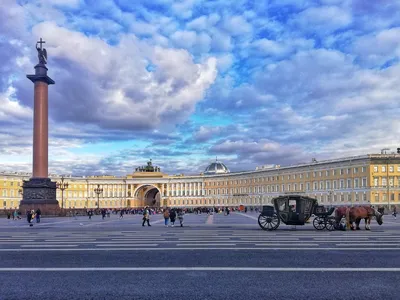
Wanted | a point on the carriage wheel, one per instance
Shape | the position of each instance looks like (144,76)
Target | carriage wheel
(331,224)
(319,223)
(268,222)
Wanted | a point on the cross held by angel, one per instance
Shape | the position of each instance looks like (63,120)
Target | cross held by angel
(42,53)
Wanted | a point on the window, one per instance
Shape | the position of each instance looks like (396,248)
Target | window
(288,187)
(308,186)
(320,174)
(384,181)
(342,184)
(341,171)
(364,182)
(391,197)
(398,168)
(295,187)
(335,185)
(314,174)
(283,187)
(391,181)
(301,175)
(376,181)
(342,197)
(348,171)
(327,173)
(301,187)
(321,185)
(308,175)
(315,185)
(294,176)
(391,169)
(348,183)
(288,177)
(334,172)
(377,197)
(375,168)
(355,170)
(348,197)
(364,169)
(328,185)
(383,168)
(356,183)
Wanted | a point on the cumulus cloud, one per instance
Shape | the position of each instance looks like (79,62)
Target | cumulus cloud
(155,98)
(323,19)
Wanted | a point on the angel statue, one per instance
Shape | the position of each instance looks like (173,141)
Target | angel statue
(42,53)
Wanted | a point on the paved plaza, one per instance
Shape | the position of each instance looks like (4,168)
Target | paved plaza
(211,257)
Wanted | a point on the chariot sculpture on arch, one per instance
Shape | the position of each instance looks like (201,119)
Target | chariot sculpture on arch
(42,53)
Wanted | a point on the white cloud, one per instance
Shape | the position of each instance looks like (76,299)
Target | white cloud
(203,22)
(323,19)
(152,99)
(380,47)
(237,25)
(221,41)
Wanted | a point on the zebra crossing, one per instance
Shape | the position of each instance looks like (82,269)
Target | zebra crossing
(171,239)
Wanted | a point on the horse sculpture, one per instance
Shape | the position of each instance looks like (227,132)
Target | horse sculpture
(355,214)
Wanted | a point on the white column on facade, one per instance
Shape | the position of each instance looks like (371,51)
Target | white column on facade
(181,189)
(190,189)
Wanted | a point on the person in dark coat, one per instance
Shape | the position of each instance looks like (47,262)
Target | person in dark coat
(38,215)
(29,216)
(172,217)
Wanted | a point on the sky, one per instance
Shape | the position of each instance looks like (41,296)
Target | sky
(251,82)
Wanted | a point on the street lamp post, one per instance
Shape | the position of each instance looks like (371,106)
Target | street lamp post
(98,191)
(62,186)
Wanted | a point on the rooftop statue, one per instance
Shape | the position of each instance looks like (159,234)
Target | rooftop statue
(42,53)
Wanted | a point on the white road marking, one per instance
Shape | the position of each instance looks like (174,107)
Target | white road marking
(202,248)
(218,269)
(47,245)
(127,245)
(210,244)
(280,244)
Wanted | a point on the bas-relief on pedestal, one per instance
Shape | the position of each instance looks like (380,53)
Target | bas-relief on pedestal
(39,191)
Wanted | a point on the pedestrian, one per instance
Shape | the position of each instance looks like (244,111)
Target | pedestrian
(103,213)
(90,213)
(166,216)
(38,215)
(180,216)
(394,212)
(121,214)
(29,216)
(172,217)
(146,216)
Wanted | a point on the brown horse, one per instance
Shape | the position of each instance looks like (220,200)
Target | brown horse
(340,212)
(355,214)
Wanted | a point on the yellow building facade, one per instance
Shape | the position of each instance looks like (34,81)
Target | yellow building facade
(365,179)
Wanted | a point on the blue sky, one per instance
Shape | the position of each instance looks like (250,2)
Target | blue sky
(181,82)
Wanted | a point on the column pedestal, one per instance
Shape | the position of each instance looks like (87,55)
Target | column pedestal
(40,193)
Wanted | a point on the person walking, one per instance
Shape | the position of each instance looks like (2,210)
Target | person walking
(172,217)
(394,212)
(180,216)
(121,214)
(38,215)
(90,214)
(166,217)
(146,216)
(103,213)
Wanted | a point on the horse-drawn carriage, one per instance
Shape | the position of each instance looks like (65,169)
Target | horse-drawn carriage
(295,210)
